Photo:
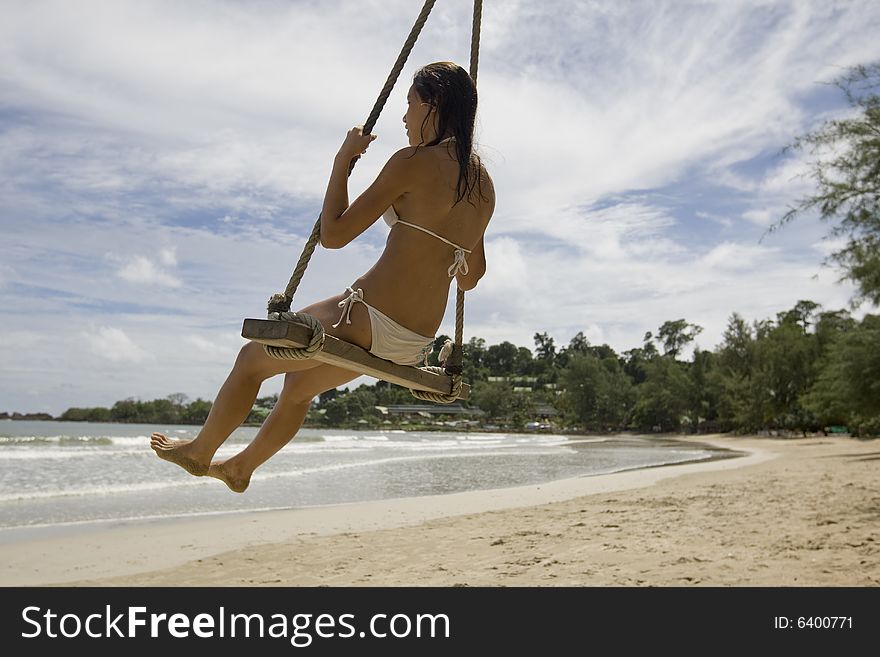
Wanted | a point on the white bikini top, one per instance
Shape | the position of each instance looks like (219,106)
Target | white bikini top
(459,264)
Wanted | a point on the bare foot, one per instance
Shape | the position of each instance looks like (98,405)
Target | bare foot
(179,452)
(220,470)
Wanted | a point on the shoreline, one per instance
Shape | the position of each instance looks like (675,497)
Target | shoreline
(27,533)
(114,548)
(515,536)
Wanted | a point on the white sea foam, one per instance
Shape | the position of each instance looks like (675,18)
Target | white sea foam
(363,464)
(103,489)
(60,453)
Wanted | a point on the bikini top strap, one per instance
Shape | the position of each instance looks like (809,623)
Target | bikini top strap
(425,230)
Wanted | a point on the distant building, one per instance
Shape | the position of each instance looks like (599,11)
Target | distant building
(430,410)
(545,411)
(514,379)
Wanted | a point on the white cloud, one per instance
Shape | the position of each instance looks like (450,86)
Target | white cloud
(168,256)
(830,245)
(728,255)
(207,163)
(140,269)
(113,344)
(762,216)
(202,344)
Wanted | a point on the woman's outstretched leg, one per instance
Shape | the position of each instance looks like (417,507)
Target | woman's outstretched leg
(281,425)
(229,410)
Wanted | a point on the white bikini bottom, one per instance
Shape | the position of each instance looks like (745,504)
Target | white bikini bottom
(391,341)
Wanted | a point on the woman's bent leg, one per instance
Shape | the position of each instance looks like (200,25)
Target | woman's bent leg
(282,423)
(231,407)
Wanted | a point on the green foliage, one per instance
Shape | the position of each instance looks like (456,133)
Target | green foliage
(545,347)
(803,370)
(336,411)
(675,335)
(663,398)
(763,370)
(86,415)
(845,168)
(494,397)
(704,393)
(501,359)
(848,389)
(786,369)
(173,409)
(598,394)
(523,405)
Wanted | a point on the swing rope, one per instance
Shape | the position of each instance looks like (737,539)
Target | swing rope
(451,354)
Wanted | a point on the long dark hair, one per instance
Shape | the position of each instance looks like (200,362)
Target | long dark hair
(451,91)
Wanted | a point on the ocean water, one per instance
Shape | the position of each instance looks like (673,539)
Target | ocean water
(67,473)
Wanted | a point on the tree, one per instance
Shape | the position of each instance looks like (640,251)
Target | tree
(473,363)
(787,366)
(704,392)
(197,411)
(178,399)
(736,352)
(579,343)
(847,390)
(674,335)
(86,415)
(493,397)
(845,167)
(764,369)
(831,323)
(336,411)
(267,402)
(545,348)
(598,392)
(501,358)
(802,314)
(662,400)
(360,403)
(387,394)
(634,363)
(126,410)
(476,350)
(732,376)
(522,409)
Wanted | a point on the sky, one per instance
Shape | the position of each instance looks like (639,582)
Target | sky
(162,163)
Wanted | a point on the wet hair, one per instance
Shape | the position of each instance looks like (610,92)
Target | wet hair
(451,91)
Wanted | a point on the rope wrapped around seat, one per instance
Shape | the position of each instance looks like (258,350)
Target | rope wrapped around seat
(316,342)
(438,397)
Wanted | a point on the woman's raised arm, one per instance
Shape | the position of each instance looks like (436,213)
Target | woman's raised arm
(341,222)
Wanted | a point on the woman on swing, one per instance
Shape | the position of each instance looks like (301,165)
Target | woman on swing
(438,198)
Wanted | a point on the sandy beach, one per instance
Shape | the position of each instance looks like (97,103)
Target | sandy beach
(796,512)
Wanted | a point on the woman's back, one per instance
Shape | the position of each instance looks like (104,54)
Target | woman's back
(432,202)
(438,190)
(410,282)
